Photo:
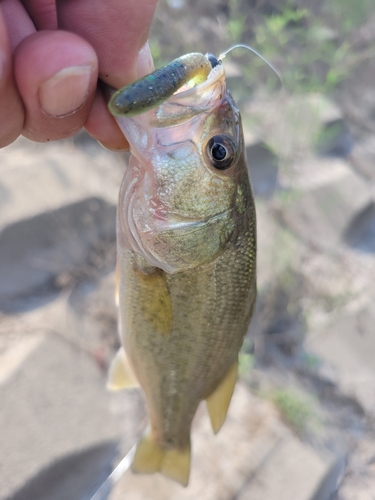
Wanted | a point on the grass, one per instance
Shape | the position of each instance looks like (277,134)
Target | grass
(313,52)
(295,409)
(312,48)
(246,359)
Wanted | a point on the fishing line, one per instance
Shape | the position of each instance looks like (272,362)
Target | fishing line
(116,474)
(239,46)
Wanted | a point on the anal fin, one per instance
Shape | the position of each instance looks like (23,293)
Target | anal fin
(218,401)
(120,374)
(172,463)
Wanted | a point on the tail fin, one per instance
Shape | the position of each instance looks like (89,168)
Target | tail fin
(150,457)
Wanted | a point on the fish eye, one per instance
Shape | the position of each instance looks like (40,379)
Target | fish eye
(221,151)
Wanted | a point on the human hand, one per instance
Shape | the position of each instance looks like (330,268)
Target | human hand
(48,76)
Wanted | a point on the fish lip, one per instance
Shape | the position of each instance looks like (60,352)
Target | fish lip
(215,74)
(143,131)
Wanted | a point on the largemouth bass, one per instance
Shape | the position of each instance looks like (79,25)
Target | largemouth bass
(186,262)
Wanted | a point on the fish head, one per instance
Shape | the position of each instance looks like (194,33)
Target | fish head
(187,180)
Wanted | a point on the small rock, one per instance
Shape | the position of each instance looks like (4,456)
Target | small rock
(263,168)
(335,139)
(325,196)
(56,204)
(359,479)
(345,346)
(292,471)
(361,232)
(363,157)
(278,248)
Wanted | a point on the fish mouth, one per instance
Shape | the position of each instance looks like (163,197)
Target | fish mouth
(186,93)
(181,107)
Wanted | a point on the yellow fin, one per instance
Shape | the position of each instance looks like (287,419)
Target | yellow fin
(176,465)
(120,375)
(150,457)
(157,305)
(218,401)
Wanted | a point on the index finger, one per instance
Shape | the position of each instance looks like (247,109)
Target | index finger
(117,30)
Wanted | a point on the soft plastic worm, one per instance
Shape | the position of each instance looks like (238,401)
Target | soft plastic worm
(154,89)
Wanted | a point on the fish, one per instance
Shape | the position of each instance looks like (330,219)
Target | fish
(186,254)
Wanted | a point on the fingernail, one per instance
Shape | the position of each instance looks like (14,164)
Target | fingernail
(65,92)
(118,149)
(145,63)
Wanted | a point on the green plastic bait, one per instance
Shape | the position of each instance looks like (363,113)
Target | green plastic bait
(154,89)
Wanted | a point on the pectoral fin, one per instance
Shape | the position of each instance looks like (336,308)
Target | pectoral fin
(150,457)
(120,374)
(218,401)
(156,305)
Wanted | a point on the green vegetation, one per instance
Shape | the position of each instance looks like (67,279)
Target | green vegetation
(312,47)
(308,52)
(245,363)
(311,362)
(246,359)
(295,409)
(312,51)
(346,15)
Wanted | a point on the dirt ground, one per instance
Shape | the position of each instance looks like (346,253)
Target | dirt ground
(307,369)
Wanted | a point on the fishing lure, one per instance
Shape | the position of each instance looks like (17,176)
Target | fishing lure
(154,89)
